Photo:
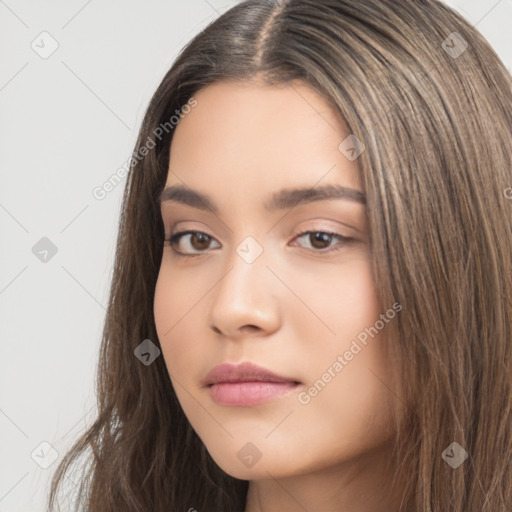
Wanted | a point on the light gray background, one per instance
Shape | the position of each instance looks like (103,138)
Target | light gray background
(68,122)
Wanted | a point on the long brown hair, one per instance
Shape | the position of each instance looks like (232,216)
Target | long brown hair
(434,111)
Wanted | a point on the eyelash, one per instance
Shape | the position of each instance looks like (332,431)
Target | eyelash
(177,236)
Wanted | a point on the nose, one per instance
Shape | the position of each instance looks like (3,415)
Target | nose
(245,302)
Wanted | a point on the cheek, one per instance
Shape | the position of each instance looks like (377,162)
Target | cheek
(342,296)
(357,399)
(173,304)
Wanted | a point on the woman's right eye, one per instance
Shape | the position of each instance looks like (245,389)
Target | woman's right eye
(195,242)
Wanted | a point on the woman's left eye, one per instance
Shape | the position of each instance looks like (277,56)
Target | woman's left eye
(323,239)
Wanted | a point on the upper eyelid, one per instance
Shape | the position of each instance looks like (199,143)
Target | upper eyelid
(360,231)
(184,232)
(341,226)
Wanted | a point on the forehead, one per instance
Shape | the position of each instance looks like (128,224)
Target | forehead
(255,132)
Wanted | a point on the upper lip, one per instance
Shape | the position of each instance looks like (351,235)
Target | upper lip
(243,372)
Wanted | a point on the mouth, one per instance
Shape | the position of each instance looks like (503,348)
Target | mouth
(246,394)
(246,384)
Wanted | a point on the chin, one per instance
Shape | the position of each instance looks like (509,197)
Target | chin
(257,460)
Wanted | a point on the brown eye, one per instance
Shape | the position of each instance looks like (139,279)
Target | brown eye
(320,240)
(323,240)
(195,242)
(200,241)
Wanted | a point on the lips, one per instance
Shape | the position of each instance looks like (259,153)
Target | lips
(243,372)
(246,384)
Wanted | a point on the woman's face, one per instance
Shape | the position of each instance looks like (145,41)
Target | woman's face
(265,283)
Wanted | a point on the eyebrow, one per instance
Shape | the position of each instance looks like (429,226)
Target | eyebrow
(280,200)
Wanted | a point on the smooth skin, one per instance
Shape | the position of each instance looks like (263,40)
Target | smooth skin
(293,310)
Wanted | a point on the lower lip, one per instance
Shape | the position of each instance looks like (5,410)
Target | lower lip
(244,394)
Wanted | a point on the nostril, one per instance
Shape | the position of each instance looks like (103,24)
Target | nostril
(250,327)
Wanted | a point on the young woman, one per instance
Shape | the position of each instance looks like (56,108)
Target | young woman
(311,304)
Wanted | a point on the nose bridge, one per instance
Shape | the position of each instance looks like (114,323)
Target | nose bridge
(246,278)
(244,295)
